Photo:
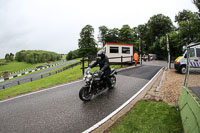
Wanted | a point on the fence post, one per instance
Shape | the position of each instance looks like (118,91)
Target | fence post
(121,60)
(31,79)
(83,66)
(41,76)
(18,82)
(4,87)
(131,60)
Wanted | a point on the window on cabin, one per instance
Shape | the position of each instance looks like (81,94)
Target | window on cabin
(114,49)
(125,50)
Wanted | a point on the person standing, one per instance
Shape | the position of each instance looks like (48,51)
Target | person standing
(136,58)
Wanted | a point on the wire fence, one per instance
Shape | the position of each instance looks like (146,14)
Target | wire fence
(23,81)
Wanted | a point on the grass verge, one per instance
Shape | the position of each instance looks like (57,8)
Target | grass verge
(150,117)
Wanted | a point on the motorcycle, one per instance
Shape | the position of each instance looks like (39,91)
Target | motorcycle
(95,83)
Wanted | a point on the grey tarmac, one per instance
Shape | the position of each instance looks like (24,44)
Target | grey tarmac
(61,110)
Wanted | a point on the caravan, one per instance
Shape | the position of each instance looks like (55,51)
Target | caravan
(113,50)
(181,62)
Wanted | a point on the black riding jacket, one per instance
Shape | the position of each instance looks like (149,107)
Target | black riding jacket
(103,64)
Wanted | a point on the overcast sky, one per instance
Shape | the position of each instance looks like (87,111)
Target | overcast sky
(55,25)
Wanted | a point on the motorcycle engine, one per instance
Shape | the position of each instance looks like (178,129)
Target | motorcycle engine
(97,81)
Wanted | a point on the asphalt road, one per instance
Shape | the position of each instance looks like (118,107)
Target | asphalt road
(59,109)
(196,91)
(36,74)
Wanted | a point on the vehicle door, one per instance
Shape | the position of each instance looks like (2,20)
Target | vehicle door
(193,58)
(197,59)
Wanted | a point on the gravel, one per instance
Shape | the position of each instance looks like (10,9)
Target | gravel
(172,86)
(167,88)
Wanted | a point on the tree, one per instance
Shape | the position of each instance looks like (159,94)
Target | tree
(36,56)
(87,44)
(126,34)
(11,57)
(113,35)
(142,31)
(69,56)
(85,52)
(197,3)
(7,57)
(86,37)
(158,26)
(103,32)
(188,26)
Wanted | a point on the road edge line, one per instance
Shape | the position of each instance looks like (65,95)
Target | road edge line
(110,116)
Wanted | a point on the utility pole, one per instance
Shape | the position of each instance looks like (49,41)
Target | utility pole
(168,50)
(140,50)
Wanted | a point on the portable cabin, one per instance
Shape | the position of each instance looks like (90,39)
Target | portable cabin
(119,50)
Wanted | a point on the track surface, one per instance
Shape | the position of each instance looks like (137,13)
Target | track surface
(60,109)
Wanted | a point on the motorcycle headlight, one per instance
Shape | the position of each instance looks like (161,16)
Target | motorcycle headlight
(89,76)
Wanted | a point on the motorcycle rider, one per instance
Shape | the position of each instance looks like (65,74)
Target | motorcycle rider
(103,62)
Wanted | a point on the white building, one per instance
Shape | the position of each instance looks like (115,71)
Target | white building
(118,50)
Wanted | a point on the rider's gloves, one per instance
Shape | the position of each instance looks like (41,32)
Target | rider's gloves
(88,69)
(101,72)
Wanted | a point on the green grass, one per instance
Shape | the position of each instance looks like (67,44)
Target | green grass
(17,66)
(150,117)
(62,67)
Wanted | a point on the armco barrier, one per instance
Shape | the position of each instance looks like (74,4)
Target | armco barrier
(190,111)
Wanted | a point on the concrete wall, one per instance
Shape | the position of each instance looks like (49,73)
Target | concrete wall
(190,111)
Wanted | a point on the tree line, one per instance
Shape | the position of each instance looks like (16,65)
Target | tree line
(9,57)
(152,35)
(36,56)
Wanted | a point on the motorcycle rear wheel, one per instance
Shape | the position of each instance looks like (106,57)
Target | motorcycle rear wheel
(84,94)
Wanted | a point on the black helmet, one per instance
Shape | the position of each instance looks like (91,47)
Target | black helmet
(100,53)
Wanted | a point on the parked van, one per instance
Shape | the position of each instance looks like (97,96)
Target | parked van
(181,62)
(153,56)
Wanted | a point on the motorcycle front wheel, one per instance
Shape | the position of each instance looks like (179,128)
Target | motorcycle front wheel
(113,81)
(84,94)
